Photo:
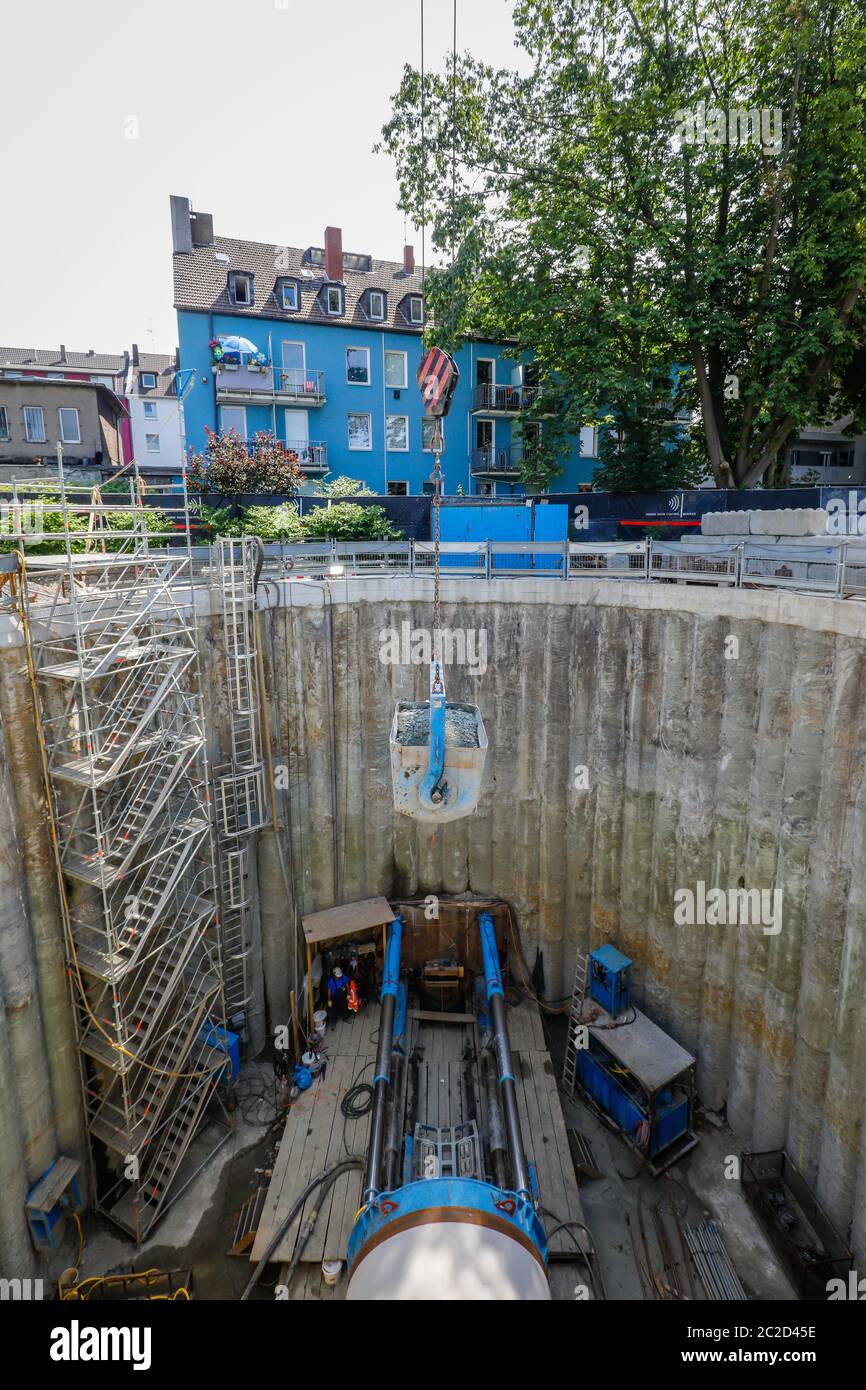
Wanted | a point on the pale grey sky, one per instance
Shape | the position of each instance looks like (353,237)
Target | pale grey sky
(263,112)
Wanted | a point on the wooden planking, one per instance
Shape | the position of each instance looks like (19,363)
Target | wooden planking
(546,1142)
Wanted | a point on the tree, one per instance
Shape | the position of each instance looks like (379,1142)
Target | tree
(343,486)
(673,184)
(348,521)
(229,465)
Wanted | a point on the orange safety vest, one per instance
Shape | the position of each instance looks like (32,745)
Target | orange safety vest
(352,1000)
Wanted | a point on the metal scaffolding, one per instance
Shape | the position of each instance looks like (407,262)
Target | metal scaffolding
(111,627)
(241,800)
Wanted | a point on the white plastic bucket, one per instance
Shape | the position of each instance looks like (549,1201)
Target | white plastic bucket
(331,1271)
(320,1022)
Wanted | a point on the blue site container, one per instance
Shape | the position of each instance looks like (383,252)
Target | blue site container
(610,979)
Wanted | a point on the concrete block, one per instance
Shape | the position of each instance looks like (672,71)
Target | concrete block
(736,523)
(789,521)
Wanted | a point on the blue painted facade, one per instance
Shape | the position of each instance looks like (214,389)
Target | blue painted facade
(217,399)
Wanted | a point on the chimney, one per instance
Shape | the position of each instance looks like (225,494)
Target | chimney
(408,260)
(135,354)
(181,233)
(334,253)
(63,353)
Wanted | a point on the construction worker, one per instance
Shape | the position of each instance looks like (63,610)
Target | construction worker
(352,1000)
(338,989)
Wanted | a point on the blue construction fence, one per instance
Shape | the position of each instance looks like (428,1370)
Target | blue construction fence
(578,516)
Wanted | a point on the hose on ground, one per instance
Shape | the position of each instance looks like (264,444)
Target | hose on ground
(324,1180)
(590,1261)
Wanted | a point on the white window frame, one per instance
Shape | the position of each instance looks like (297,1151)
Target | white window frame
(5,424)
(30,438)
(243,410)
(147,381)
(360,415)
(397,448)
(430,420)
(64,437)
(366,352)
(492,381)
(391,385)
(591,434)
(393,482)
(296,291)
(338,291)
(151,449)
(413,300)
(149,410)
(380,296)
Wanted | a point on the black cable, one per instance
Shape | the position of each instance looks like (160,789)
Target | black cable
(324,1180)
(352,1108)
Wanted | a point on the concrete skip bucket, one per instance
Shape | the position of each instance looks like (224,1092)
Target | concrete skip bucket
(437,784)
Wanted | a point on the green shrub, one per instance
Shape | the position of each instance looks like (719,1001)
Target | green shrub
(347,521)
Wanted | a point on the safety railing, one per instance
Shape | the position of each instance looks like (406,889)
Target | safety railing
(835,569)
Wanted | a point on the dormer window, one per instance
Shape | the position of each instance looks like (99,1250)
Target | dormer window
(333,300)
(241,288)
(416,309)
(147,380)
(289,295)
(376,304)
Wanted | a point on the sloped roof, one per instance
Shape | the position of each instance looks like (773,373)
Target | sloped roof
(163,365)
(201,282)
(50,358)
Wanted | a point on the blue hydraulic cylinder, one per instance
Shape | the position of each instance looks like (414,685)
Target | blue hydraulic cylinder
(496,999)
(382,1077)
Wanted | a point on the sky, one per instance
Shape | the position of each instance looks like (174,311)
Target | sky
(262,112)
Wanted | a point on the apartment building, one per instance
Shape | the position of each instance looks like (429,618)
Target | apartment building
(155,413)
(321,346)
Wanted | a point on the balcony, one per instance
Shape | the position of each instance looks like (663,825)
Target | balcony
(312,454)
(503,400)
(497,463)
(278,385)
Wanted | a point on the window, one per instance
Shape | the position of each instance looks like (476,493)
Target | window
(147,380)
(358,366)
(398,489)
(34,424)
(150,412)
(5,432)
(289,294)
(416,309)
(240,287)
(234,417)
(360,432)
(397,433)
(587,442)
(485,371)
(376,304)
(334,299)
(427,426)
(396,369)
(70,429)
(152,443)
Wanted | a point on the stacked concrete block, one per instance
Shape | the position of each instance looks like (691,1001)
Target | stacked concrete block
(789,521)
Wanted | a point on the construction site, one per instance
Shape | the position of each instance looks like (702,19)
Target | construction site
(318,986)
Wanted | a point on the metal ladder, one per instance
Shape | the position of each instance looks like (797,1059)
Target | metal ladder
(578,993)
(240,800)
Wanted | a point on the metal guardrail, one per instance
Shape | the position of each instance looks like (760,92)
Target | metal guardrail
(838,571)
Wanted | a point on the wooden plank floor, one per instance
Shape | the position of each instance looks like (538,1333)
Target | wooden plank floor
(317,1136)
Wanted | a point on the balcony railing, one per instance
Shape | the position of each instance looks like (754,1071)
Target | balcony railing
(504,400)
(500,461)
(280,383)
(312,454)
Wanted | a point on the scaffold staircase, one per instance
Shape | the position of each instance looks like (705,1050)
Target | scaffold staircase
(112,636)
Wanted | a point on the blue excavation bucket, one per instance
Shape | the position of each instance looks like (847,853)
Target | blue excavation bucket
(465,751)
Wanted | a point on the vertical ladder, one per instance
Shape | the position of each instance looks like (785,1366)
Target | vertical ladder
(578,993)
(240,799)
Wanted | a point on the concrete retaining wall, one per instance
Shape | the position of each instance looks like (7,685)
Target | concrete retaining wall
(746,771)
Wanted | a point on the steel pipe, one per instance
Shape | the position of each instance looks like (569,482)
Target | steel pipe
(496,999)
(382,1077)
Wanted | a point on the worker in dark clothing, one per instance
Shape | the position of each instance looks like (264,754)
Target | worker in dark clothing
(338,987)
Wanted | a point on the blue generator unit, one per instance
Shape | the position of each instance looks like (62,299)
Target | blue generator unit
(610,979)
(638,1077)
